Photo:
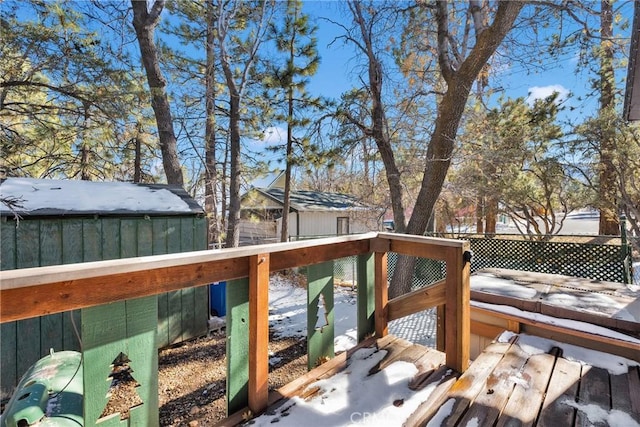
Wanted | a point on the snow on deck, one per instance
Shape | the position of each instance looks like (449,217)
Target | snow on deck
(517,380)
(607,304)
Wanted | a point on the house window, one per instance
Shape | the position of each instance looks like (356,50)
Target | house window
(343,225)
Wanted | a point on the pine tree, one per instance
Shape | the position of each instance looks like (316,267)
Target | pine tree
(67,95)
(296,41)
(241,29)
(145,22)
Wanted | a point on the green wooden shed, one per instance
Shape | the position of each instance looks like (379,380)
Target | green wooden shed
(49,222)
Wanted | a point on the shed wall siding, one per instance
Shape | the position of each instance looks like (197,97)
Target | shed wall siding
(41,242)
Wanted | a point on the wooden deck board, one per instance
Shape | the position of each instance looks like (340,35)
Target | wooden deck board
(594,390)
(469,385)
(621,394)
(526,400)
(497,388)
(504,386)
(562,386)
(444,378)
(634,390)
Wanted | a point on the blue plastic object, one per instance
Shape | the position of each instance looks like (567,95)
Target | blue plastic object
(218,298)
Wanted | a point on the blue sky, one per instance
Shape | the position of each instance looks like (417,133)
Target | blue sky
(335,74)
(333,78)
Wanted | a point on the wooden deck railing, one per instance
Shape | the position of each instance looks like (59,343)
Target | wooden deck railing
(33,292)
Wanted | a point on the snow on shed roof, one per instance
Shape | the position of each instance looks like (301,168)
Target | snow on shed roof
(47,197)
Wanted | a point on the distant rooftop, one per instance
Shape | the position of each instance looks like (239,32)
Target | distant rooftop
(47,197)
(305,200)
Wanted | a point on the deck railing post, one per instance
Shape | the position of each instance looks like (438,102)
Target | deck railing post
(366,296)
(258,332)
(382,294)
(237,344)
(441,317)
(457,310)
(320,316)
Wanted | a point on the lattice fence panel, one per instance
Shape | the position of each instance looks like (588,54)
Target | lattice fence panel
(591,261)
(345,270)
(426,272)
(598,262)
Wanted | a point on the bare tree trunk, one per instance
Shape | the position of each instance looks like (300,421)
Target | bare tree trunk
(233,224)
(85,151)
(378,130)
(211,173)
(459,81)
(137,159)
(284,233)
(491,215)
(480,215)
(609,223)
(144,22)
(85,156)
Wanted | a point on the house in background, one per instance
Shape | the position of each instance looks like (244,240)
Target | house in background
(311,214)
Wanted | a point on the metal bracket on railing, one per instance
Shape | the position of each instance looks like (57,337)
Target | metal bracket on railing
(466,256)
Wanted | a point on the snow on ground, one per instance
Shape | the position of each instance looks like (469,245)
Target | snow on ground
(288,317)
(352,397)
(346,398)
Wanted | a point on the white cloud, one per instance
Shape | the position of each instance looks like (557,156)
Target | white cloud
(541,92)
(274,135)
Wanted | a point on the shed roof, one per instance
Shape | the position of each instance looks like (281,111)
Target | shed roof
(305,200)
(48,197)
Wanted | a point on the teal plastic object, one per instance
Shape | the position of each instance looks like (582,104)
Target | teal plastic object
(49,393)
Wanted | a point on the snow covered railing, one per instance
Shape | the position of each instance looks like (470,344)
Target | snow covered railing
(28,293)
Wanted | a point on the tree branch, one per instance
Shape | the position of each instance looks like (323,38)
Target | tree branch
(444,61)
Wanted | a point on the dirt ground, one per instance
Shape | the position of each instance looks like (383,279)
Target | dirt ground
(192,377)
(192,384)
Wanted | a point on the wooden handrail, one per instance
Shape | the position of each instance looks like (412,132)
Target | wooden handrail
(32,292)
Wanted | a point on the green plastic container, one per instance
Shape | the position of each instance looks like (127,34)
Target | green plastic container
(49,393)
